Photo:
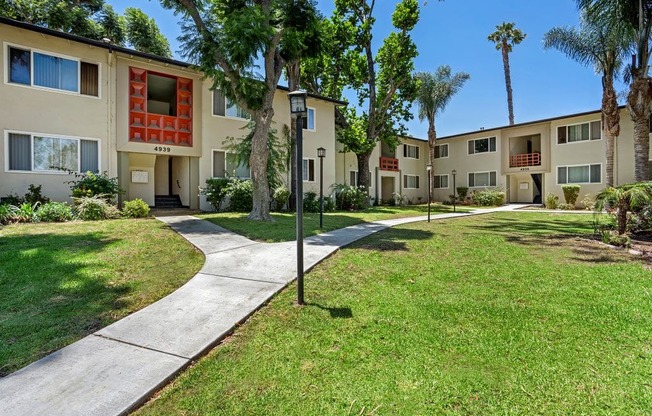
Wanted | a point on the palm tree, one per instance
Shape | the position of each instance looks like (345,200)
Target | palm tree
(636,17)
(622,199)
(434,93)
(603,47)
(505,37)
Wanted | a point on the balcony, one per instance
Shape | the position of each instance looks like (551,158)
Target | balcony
(525,159)
(389,163)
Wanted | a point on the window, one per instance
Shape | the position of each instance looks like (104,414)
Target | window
(410,182)
(353,178)
(224,166)
(440,181)
(579,174)
(309,120)
(410,152)
(40,69)
(482,179)
(308,170)
(47,153)
(441,151)
(482,145)
(579,132)
(223,106)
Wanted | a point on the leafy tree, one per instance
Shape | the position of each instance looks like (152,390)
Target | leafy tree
(382,78)
(505,37)
(144,35)
(602,47)
(434,92)
(224,38)
(636,17)
(622,199)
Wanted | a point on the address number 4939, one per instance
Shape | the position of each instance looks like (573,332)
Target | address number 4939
(163,149)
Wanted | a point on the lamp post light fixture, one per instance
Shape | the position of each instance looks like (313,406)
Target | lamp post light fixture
(454,172)
(298,109)
(429,169)
(321,154)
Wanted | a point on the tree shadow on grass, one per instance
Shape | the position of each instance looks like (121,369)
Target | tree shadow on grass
(392,239)
(54,290)
(504,225)
(336,313)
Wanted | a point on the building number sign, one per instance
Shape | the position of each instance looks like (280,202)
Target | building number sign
(163,149)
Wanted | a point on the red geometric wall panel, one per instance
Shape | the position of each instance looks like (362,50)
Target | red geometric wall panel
(154,128)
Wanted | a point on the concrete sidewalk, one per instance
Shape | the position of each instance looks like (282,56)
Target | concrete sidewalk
(115,369)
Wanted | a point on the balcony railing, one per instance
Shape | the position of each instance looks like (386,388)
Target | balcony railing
(525,159)
(389,163)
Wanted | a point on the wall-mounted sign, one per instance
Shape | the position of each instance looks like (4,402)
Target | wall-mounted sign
(524,185)
(139,176)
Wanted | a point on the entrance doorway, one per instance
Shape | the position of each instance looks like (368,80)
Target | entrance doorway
(387,189)
(172,181)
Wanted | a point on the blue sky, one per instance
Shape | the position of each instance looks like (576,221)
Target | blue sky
(454,32)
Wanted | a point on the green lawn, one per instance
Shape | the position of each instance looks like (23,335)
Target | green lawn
(284,226)
(61,282)
(508,313)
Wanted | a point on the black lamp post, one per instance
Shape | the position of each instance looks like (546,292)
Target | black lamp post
(298,109)
(429,170)
(321,154)
(454,172)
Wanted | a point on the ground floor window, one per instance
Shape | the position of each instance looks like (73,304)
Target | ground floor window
(308,171)
(50,153)
(410,182)
(225,166)
(440,181)
(579,174)
(353,178)
(482,179)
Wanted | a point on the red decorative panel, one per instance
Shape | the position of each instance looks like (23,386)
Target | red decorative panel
(389,163)
(157,128)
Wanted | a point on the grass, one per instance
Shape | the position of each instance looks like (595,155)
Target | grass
(284,226)
(508,313)
(61,282)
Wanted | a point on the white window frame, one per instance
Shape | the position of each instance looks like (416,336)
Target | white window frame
(418,151)
(488,139)
(441,176)
(226,152)
(406,182)
(578,183)
(53,136)
(447,151)
(7,63)
(590,122)
(314,168)
(314,119)
(488,172)
(225,105)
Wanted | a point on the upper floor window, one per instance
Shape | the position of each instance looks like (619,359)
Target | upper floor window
(440,181)
(410,181)
(579,174)
(225,166)
(482,179)
(488,144)
(223,106)
(579,132)
(441,151)
(49,153)
(309,120)
(410,151)
(40,69)
(308,170)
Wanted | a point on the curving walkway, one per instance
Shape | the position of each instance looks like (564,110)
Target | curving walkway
(115,369)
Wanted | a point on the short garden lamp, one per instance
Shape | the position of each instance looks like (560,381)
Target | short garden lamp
(298,108)
(454,172)
(321,154)
(429,170)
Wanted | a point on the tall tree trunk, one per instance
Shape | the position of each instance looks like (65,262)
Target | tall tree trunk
(432,141)
(294,79)
(621,216)
(258,162)
(363,170)
(639,104)
(610,125)
(508,82)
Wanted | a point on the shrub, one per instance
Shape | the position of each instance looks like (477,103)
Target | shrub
(281,197)
(34,195)
(462,192)
(615,239)
(350,198)
(8,213)
(571,192)
(588,202)
(91,184)
(552,201)
(12,199)
(135,209)
(96,207)
(54,212)
(310,202)
(26,212)
(566,207)
(489,197)
(329,204)
(241,195)
(215,192)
